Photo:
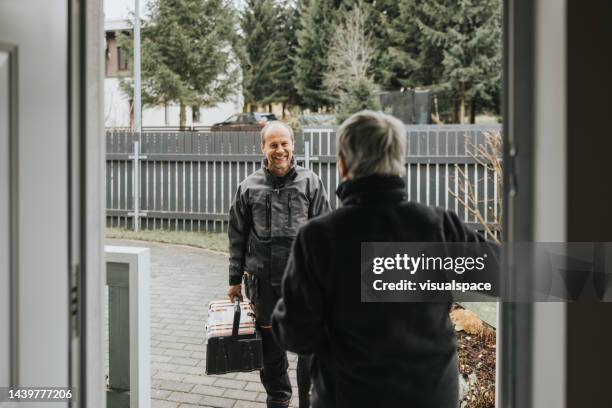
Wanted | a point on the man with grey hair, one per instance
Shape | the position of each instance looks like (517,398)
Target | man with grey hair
(368,354)
(269,207)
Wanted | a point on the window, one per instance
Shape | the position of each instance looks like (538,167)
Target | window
(107,59)
(265,117)
(232,119)
(122,61)
(246,118)
(195,114)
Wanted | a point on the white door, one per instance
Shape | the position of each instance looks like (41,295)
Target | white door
(37,195)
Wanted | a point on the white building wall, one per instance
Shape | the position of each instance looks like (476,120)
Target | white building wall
(156,116)
(116,105)
(117,110)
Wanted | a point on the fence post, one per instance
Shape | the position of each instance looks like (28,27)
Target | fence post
(128,274)
(307,157)
(136,185)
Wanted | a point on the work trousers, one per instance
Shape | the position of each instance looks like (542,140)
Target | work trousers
(274,377)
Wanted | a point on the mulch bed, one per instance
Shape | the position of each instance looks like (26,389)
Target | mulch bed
(477,356)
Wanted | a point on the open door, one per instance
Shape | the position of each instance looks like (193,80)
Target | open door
(50,204)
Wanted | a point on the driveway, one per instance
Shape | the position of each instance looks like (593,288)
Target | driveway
(183,281)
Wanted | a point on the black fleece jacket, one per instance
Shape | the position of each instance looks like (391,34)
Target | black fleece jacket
(368,354)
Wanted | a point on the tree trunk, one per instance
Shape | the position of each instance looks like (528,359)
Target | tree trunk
(472,112)
(132,120)
(454,118)
(435,115)
(269,107)
(182,116)
(284,106)
(166,116)
(462,109)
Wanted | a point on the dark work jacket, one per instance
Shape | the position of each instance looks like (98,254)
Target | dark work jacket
(368,354)
(264,218)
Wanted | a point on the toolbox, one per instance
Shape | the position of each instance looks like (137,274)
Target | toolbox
(232,340)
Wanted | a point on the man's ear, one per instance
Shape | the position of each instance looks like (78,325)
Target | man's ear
(342,169)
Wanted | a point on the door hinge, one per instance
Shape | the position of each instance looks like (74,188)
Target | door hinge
(74,301)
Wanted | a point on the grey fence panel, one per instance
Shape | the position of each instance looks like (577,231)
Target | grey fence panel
(188,179)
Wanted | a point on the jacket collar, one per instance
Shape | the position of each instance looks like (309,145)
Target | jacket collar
(276,181)
(372,189)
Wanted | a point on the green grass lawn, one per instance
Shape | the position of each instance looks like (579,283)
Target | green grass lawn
(207,240)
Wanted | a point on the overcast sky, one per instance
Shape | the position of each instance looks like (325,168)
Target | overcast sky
(120,9)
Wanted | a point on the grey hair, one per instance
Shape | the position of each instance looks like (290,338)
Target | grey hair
(271,124)
(372,143)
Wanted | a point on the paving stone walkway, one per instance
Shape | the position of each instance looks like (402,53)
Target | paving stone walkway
(183,281)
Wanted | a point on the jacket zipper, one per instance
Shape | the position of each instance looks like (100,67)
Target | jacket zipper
(289,210)
(269,213)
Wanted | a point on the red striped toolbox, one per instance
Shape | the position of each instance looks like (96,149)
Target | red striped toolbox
(232,340)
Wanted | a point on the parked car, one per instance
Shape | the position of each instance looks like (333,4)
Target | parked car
(244,122)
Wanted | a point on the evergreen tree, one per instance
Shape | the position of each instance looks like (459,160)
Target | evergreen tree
(360,95)
(311,63)
(403,62)
(263,58)
(288,23)
(452,47)
(472,54)
(186,54)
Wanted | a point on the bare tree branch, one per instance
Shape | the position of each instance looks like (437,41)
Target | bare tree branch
(351,51)
(488,155)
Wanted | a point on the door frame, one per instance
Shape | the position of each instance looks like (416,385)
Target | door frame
(532,338)
(518,367)
(86,200)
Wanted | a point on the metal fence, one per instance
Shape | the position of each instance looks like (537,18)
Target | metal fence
(186,180)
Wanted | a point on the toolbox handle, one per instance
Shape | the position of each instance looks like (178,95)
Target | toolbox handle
(236,300)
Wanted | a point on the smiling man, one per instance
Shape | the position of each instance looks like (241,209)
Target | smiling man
(269,207)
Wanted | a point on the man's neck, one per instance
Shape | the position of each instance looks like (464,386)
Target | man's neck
(279,172)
